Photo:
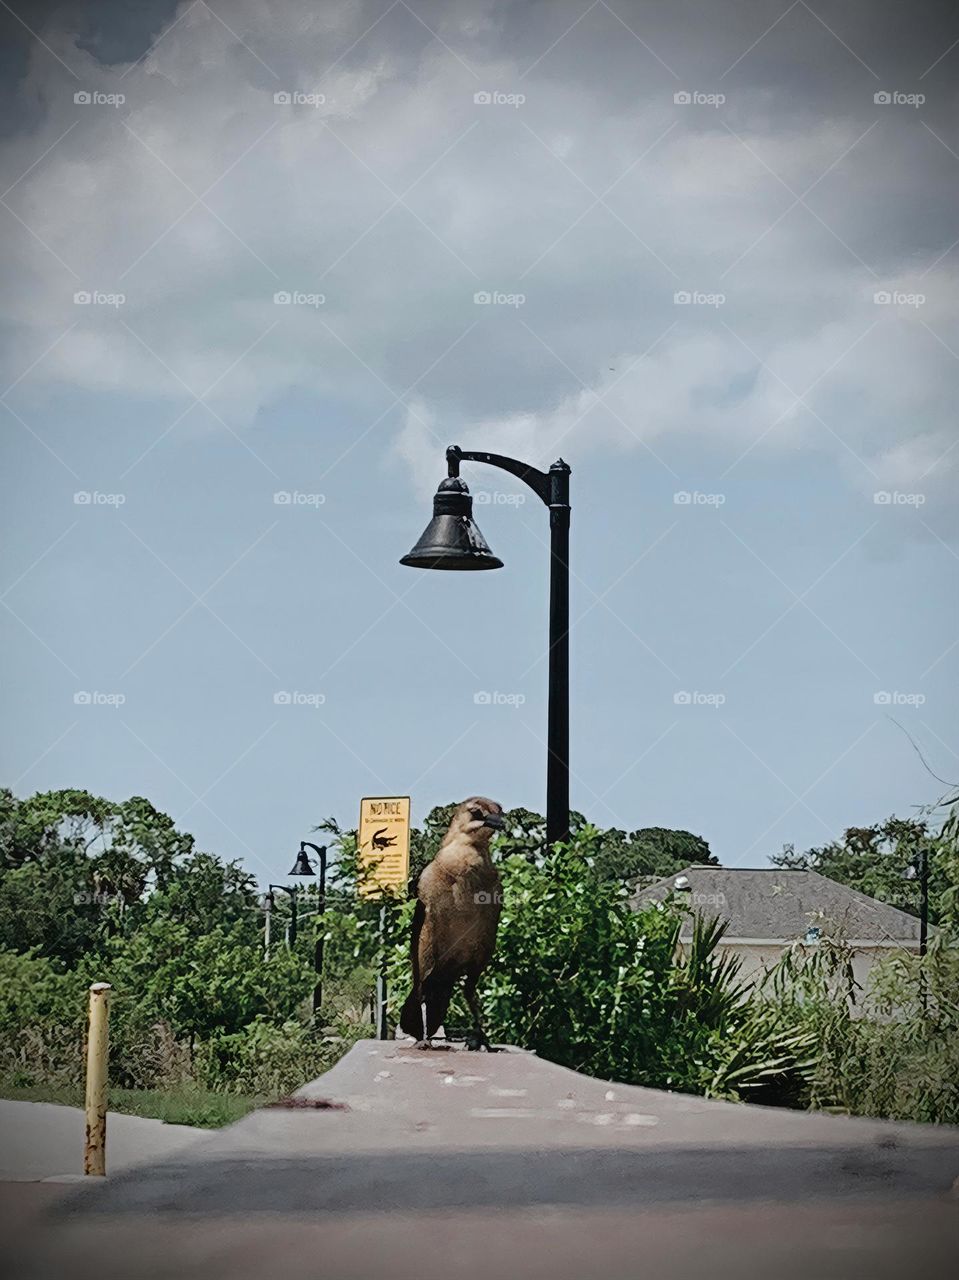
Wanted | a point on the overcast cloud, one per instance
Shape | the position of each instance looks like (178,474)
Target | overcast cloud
(759,280)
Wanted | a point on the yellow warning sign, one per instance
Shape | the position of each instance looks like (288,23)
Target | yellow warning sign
(383,844)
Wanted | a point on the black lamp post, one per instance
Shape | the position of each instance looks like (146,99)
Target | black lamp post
(451,540)
(302,867)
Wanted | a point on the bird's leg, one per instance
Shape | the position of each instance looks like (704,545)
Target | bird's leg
(479,1035)
(425,1041)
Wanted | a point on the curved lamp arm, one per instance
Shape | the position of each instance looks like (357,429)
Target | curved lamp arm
(553,492)
(320,851)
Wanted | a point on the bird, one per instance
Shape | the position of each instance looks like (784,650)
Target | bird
(455,921)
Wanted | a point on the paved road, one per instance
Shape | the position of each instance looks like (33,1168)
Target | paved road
(459,1166)
(40,1140)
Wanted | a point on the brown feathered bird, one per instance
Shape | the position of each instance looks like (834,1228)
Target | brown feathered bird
(454,925)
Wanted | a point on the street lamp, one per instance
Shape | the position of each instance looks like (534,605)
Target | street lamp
(451,540)
(302,867)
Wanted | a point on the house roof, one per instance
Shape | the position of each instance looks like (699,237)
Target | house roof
(771,904)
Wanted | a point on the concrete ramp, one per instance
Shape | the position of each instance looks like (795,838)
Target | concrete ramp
(404,1163)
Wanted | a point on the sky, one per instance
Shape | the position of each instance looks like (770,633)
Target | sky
(264,261)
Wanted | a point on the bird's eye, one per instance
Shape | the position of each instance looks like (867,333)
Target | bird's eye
(476,814)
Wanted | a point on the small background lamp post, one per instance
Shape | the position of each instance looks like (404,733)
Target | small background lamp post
(920,871)
(451,540)
(269,902)
(302,867)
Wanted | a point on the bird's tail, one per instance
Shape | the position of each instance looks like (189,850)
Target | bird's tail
(436,995)
(411,1015)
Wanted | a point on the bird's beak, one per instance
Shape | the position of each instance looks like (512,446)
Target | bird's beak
(495,821)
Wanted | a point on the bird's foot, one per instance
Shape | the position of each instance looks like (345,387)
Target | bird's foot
(476,1040)
(430,1044)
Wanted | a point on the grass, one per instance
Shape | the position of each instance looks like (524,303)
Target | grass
(198,1107)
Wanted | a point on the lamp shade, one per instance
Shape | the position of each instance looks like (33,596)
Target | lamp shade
(452,540)
(302,865)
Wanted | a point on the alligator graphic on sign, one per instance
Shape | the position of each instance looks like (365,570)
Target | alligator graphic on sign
(381,841)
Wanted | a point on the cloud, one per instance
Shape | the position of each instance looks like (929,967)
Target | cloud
(685,270)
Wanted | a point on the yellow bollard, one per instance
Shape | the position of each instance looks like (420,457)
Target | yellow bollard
(98,1045)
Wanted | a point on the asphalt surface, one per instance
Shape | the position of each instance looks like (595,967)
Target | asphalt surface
(422,1164)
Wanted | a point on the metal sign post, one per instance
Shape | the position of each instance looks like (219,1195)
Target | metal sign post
(382,1029)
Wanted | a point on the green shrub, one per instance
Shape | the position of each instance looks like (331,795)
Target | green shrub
(270,1060)
(890,1051)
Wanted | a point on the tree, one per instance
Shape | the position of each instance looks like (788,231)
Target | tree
(77,870)
(203,892)
(51,906)
(880,861)
(650,854)
(615,856)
